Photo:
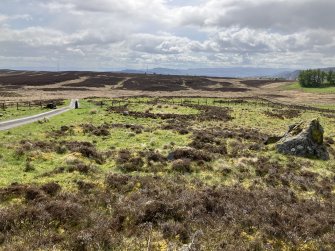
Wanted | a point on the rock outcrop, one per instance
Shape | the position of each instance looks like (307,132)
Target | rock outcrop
(305,140)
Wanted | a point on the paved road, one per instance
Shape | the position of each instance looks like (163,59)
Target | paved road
(27,120)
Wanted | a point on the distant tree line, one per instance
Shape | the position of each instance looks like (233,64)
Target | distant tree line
(316,78)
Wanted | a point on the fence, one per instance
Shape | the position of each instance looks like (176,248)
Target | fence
(252,101)
(28,104)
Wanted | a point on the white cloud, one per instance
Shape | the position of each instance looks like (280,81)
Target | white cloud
(139,32)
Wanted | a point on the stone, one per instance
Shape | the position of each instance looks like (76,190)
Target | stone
(304,140)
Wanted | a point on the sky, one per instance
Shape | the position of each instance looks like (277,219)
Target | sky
(180,34)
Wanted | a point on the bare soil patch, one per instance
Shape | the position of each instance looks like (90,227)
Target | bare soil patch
(259,82)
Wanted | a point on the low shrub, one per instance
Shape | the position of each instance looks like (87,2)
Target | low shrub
(61,149)
(182,165)
(128,163)
(190,153)
(51,188)
(29,167)
(87,149)
(132,165)
(118,215)
(82,168)
(33,193)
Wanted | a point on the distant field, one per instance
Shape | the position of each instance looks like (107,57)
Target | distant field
(84,81)
(296,86)
(27,86)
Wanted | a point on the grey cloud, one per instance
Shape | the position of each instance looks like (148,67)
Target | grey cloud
(135,33)
(161,44)
(286,16)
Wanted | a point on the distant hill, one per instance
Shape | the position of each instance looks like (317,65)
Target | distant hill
(234,72)
(293,75)
(4,70)
(228,72)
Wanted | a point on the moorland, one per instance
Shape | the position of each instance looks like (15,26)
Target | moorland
(152,162)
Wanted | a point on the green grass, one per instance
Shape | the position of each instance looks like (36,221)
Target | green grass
(24,111)
(153,137)
(13,166)
(164,109)
(240,168)
(324,106)
(13,113)
(296,86)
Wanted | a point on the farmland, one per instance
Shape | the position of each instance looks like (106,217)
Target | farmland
(144,173)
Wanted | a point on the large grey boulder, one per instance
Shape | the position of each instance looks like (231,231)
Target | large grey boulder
(304,139)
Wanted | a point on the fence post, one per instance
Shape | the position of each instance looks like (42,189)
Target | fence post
(17,105)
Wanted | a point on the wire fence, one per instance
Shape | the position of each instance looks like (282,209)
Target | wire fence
(250,101)
(4,105)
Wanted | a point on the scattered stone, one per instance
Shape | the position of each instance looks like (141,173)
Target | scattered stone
(304,140)
(43,121)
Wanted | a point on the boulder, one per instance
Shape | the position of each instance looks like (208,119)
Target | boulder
(304,139)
